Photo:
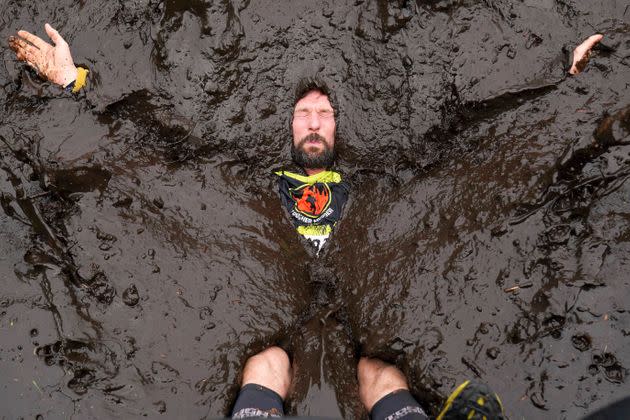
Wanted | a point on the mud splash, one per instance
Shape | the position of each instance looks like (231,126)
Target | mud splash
(146,254)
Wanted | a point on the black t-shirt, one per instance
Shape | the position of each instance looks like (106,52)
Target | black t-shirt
(315,203)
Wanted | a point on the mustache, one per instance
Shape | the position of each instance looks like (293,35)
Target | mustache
(313,137)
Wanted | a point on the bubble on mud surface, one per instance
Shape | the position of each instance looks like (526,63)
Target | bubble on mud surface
(130,295)
(616,373)
(160,406)
(582,342)
(604,359)
(607,363)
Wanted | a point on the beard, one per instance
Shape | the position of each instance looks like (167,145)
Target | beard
(312,160)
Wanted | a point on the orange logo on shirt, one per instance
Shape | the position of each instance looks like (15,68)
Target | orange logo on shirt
(311,200)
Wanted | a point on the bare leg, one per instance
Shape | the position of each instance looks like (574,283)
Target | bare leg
(270,368)
(377,379)
(265,385)
(384,392)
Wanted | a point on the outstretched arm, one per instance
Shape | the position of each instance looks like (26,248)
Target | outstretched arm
(52,62)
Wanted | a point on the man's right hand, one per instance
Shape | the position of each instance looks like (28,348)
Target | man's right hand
(54,63)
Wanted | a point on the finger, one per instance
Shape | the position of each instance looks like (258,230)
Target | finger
(54,35)
(13,44)
(18,44)
(592,40)
(25,52)
(27,58)
(588,44)
(33,39)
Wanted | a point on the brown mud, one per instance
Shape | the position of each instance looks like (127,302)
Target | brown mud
(145,254)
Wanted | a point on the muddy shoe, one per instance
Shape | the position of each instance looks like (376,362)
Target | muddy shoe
(472,400)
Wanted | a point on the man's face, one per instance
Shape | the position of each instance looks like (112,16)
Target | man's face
(313,131)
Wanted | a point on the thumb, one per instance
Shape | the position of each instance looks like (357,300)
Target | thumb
(53,34)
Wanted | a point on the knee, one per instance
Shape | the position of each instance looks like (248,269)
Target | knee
(270,368)
(272,358)
(377,379)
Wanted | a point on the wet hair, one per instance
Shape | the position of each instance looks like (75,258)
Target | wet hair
(310,83)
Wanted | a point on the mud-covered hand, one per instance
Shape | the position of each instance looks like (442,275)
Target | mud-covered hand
(582,53)
(53,63)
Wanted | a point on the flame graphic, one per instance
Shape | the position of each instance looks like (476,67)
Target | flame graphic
(313,200)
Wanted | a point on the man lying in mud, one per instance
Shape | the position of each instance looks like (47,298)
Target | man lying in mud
(315,196)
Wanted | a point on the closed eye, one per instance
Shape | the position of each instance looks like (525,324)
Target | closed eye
(304,113)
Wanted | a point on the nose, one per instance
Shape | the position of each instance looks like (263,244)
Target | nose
(314,121)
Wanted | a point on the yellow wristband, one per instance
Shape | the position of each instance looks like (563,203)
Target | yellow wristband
(81,79)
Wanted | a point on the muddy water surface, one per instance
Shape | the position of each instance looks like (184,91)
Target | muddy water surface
(145,254)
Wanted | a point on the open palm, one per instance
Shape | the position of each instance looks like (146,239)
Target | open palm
(53,63)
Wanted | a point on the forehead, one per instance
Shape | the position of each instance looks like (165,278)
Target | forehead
(314,99)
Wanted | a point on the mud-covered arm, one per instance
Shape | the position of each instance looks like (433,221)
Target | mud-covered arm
(52,62)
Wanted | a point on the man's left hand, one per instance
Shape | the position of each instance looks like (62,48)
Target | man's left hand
(582,53)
